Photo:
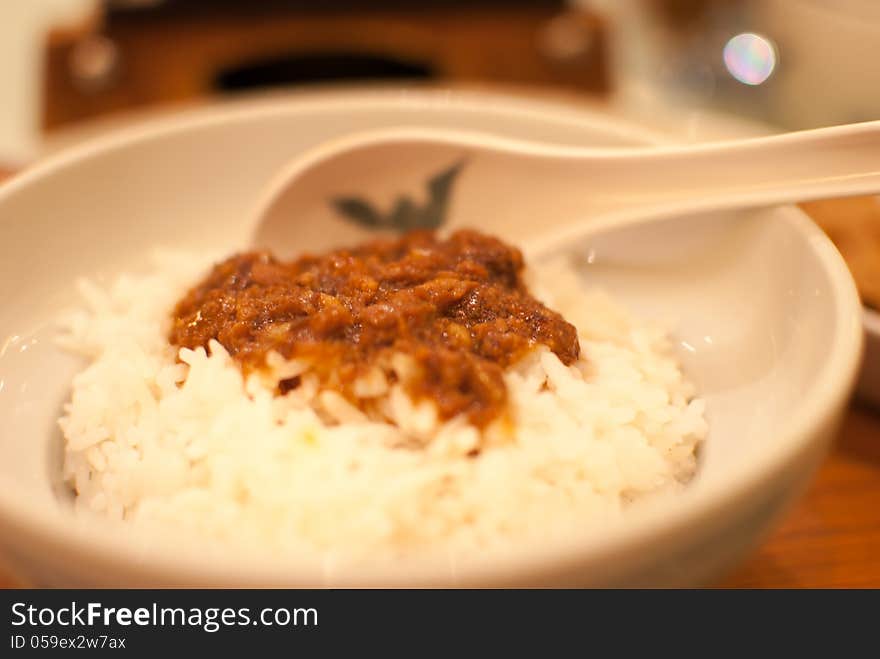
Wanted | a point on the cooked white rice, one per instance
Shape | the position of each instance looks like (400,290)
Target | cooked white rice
(195,448)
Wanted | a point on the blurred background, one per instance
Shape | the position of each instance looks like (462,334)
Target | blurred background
(779,64)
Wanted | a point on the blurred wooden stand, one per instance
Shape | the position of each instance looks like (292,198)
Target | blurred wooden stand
(188,50)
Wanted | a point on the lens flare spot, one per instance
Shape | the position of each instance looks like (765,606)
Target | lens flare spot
(750,58)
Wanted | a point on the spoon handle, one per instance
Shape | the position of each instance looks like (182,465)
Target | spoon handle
(792,167)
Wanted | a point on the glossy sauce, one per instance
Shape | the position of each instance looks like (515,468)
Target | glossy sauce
(457,307)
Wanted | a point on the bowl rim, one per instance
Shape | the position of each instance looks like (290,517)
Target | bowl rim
(46,532)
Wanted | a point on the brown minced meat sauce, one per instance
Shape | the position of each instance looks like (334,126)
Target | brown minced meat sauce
(458,307)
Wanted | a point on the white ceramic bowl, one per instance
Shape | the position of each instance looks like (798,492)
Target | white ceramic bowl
(766,313)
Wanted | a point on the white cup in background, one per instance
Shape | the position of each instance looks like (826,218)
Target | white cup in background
(801,63)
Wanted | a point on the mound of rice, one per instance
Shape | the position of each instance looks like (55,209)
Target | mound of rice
(194,447)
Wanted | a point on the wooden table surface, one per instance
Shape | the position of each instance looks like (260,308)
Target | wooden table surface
(831,539)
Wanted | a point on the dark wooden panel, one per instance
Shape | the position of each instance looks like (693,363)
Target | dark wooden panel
(164,58)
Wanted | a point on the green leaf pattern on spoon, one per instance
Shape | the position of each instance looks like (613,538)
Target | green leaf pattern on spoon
(405,214)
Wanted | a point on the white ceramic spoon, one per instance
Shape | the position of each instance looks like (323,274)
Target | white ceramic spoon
(401,178)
